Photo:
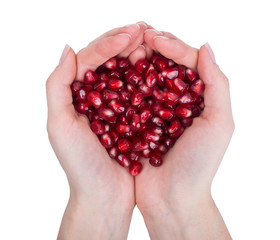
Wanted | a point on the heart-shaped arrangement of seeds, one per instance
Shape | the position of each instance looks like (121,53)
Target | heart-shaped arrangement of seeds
(139,111)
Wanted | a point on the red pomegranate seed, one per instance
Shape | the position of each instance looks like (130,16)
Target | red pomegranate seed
(155,159)
(162,149)
(115,136)
(168,142)
(140,145)
(142,65)
(111,64)
(107,114)
(123,64)
(115,84)
(145,115)
(166,114)
(183,112)
(171,63)
(161,80)
(124,145)
(196,111)
(117,107)
(158,95)
(178,133)
(130,111)
(115,74)
(145,90)
(124,95)
(156,130)
(161,64)
(82,95)
(131,88)
(149,69)
(113,152)
(82,108)
(122,128)
(106,140)
(152,78)
(186,122)
(99,86)
(146,153)
(154,145)
(136,98)
(171,73)
(150,136)
(171,97)
(174,126)
(90,77)
(133,76)
(76,86)
(182,72)
(198,87)
(180,85)
(143,104)
(109,95)
(90,114)
(123,119)
(157,107)
(98,127)
(94,98)
(123,160)
(191,75)
(135,168)
(135,123)
(104,77)
(158,121)
(187,98)
(134,156)
(129,135)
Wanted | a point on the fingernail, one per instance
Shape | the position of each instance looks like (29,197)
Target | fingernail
(210,51)
(163,37)
(134,24)
(125,34)
(142,46)
(154,30)
(142,23)
(64,53)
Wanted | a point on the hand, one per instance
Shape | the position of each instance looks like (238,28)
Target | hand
(175,199)
(101,192)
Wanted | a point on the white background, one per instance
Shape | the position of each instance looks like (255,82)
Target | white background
(243,35)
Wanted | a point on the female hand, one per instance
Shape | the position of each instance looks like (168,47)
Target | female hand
(101,192)
(175,199)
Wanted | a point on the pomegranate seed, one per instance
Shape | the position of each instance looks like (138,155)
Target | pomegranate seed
(161,64)
(198,87)
(145,90)
(76,86)
(152,78)
(130,111)
(178,133)
(113,152)
(155,159)
(123,119)
(131,88)
(146,115)
(124,95)
(156,130)
(104,77)
(154,145)
(166,114)
(146,153)
(149,69)
(196,111)
(122,128)
(191,75)
(162,149)
(99,86)
(81,94)
(115,84)
(186,122)
(174,126)
(133,77)
(123,160)
(109,95)
(140,145)
(182,72)
(158,121)
(106,140)
(161,80)
(171,97)
(158,95)
(171,63)
(116,106)
(115,74)
(135,123)
(142,65)
(107,114)
(90,114)
(157,107)
(111,64)
(183,112)
(180,85)
(134,156)
(135,168)
(90,77)
(94,98)
(115,136)
(136,98)
(171,73)
(150,136)
(187,98)
(123,64)
(82,108)
(169,142)
(98,127)
(124,145)
(129,135)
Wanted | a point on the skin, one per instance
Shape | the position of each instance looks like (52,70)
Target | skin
(175,199)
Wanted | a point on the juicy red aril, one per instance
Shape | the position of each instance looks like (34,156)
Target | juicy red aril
(139,111)
(91,77)
(94,98)
(124,145)
(155,159)
(135,168)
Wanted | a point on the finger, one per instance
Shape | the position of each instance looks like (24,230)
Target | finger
(138,40)
(59,96)
(149,50)
(139,53)
(216,95)
(172,47)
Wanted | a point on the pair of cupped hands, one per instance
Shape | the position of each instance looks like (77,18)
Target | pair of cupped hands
(103,192)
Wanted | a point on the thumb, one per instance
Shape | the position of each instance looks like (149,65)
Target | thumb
(59,96)
(216,95)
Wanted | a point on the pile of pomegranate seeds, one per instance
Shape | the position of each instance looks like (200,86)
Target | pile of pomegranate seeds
(139,111)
